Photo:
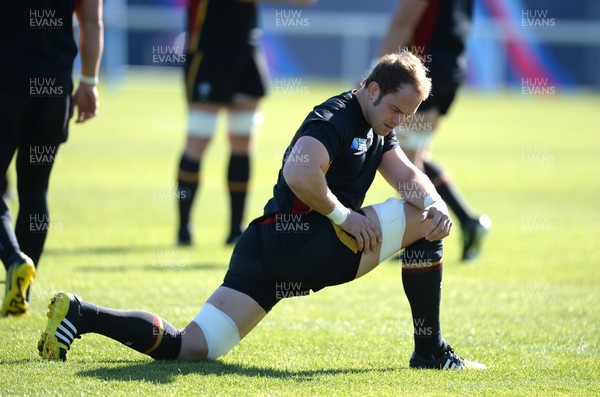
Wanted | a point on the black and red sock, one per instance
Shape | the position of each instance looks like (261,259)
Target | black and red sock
(144,332)
(422,268)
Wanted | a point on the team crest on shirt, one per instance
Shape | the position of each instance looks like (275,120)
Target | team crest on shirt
(361,145)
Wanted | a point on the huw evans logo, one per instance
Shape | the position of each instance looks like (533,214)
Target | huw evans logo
(537,86)
(45,87)
(45,19)
(419,51)
(43,155)
(288,289)
(291,223)
(294,154)
(290,85)
(537,19)
(290,19)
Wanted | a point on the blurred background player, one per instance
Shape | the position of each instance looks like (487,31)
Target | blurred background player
(436,31)
(35,108)
(224,71)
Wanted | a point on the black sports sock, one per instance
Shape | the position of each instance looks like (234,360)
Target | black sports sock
(422,279)
(238,174)
(188,180)
(447,190)
(144,332)
(33,178)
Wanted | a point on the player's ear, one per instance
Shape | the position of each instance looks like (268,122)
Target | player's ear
(373,90)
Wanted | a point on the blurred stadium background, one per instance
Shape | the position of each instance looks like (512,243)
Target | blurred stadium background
(550,44)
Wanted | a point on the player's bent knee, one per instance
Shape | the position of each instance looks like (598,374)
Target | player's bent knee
(393,225)
(220,331)
(201,124)
(243,122)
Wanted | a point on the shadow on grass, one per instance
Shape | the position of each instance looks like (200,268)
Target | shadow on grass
(166,258)
(167,371)
(114,249)
(113,268)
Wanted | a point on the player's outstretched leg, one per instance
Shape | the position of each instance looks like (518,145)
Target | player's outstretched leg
(422,279)
(69,317)
(223,321)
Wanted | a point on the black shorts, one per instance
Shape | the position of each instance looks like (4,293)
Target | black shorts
(446,72)
(218,77)
(286,255)
(34,120)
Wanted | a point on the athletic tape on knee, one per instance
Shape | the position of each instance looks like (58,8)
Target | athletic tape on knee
(243,123)
(414,140)
(201,123)
(219,329)
(393,224)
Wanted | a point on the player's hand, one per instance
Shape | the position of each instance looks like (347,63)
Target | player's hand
(366,233)
(440,224)
(86,101)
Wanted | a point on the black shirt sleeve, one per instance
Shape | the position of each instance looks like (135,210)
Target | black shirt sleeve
(325,133)
(390,142)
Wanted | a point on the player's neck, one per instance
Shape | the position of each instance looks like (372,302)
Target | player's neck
(362,97)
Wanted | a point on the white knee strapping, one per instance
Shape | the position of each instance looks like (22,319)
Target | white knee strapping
(243,123)
(393,223)
(414,140)
(220,331)
(201,123)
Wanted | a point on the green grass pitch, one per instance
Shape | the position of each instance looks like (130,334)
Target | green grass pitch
(527,308)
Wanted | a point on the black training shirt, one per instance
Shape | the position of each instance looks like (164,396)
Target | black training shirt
(355,153)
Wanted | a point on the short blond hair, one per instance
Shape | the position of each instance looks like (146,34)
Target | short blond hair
(395,70)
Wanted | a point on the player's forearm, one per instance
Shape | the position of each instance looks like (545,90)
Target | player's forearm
(416,188)
(91,44)
(412,184)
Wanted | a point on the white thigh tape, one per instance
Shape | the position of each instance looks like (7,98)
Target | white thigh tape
(393,223)
(220,331)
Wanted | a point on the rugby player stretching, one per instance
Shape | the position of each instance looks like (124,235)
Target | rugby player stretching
(343,142)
